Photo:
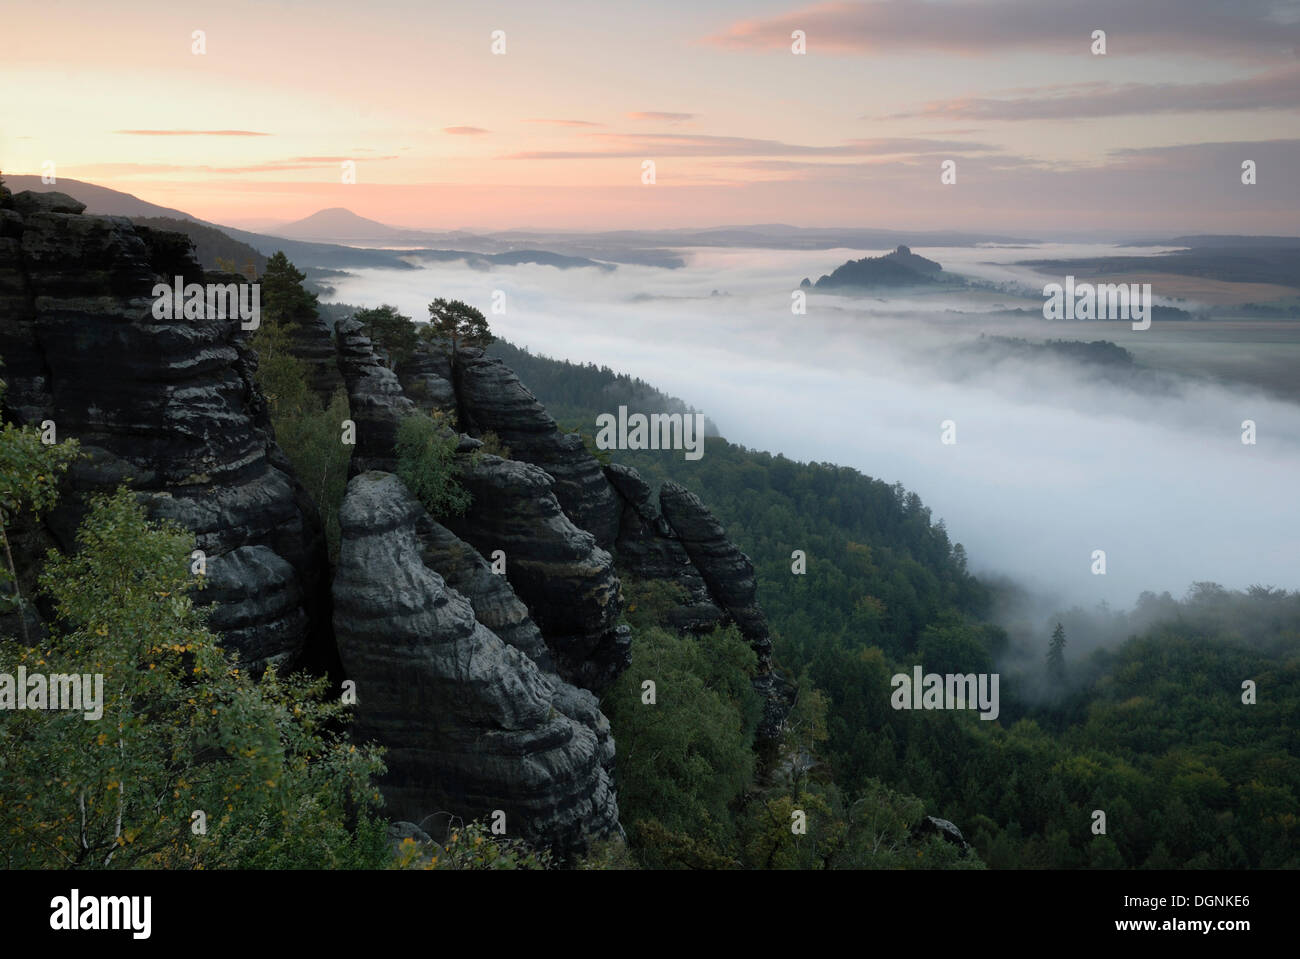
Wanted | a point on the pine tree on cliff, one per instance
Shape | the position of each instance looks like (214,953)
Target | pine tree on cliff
(458,322)
(1056,659)
(284,299)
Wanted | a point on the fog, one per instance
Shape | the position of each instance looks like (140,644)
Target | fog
(1051,461)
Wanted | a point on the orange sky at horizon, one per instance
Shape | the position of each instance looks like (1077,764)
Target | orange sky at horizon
(554,132)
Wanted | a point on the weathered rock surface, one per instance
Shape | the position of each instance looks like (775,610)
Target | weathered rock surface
(375,398)
(492,398)
(648,549)
(727,572)
(729,576)
(470,722)
(312,340)
(169,405)
(427,378)
(933,826)
(498,608)
(567,581)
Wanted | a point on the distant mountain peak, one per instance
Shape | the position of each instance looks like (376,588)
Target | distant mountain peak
(902,267)
(336,222)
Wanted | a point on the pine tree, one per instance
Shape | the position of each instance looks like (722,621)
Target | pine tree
(1056,658)
(459,322)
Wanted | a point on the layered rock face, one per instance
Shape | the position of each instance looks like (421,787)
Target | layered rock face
(729,576)
(427,379)
(168,404)
(567,580)
(376,400)
(312,342)
(649,549)
(492,398)
(471,723)
(557,568)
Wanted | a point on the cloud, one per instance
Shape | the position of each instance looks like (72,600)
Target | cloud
(567,123)
(192,133)
(1241,29)
(465,131)
(1274,90)
(661,116)
(270,166)
(624,145)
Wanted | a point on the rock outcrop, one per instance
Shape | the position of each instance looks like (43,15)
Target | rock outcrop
(168,405)
(426,378)
(648,549)
(567,581)
(729,576)
(491,398)
(376,400)
(471,723)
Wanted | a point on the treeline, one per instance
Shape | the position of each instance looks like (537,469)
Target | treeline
(573,390)
(1151,731)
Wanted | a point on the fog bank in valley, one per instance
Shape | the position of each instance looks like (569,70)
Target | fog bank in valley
(1052,460)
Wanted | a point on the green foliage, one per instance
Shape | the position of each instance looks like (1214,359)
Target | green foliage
(688,758)
(310,437)
(284,299)
(492,446)
(29,476)
(313,443)
(426,462)
(182,730)
(458,322)
(388,329)
(1056,658)
(472,846)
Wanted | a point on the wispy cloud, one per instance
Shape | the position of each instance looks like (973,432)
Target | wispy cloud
(1274,90)
(623,145)
(1242,28)
(566,123)
(661,116)
(192,133)
(465,131)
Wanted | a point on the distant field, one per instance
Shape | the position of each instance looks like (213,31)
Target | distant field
(1262,353)
(1196,288)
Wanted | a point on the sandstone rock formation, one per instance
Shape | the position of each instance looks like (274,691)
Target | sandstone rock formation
(492,398)
(567,580)
(649,549)
(169,405)
(376,400)
(426,379)
(472,724)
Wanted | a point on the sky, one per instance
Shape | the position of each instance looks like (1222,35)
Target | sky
(554,130)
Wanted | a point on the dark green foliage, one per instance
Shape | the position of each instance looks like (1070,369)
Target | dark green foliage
(457,322)
(685,760)
(1056,658)
(310,437)
(388,329)
(284,298)
(574,392)
(426,462)
(181,729)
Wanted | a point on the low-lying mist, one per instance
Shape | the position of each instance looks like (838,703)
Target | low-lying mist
(1053,459)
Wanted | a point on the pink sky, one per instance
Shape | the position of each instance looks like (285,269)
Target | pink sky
(445,134)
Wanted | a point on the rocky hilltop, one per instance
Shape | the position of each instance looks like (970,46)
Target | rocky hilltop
(901,268)
(479,679)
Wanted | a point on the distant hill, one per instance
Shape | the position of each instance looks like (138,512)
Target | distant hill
(1223,241)
(209,242)
(338,223)
(897,269)
(99,200)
